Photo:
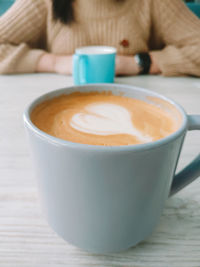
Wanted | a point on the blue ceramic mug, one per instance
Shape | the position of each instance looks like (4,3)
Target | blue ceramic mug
(94,64)
(109,198)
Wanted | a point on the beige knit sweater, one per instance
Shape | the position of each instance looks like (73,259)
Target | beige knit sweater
(165,27)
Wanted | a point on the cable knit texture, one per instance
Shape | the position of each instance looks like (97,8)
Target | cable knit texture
(165,27)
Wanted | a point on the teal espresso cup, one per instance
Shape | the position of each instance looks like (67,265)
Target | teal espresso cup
(108,198)
(94,64)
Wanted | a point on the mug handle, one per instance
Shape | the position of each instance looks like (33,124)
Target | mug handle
(80,69)
(191,171)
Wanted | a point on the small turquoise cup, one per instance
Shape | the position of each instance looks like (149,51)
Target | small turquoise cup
(94,64)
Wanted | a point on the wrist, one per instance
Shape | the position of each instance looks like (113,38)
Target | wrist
(154,69)
(126,65)
(63,64)
(46,63)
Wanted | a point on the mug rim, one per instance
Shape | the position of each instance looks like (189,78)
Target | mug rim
(112,50)
(123,148)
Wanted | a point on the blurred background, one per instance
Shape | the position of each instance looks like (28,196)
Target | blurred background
(193,5)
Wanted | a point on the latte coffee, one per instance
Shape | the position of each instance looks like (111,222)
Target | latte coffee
(101,118)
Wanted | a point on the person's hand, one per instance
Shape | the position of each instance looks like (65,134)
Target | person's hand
(126,65)
(55,63)
(63,65)
(154,69)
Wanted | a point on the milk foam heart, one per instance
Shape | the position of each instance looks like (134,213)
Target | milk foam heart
(102,118)
(106,119)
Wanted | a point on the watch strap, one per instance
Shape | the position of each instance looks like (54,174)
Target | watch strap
(144,62)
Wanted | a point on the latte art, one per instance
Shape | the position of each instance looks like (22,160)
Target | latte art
(102,119)
(106,119)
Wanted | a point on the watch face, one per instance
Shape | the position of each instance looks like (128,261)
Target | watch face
(137,60)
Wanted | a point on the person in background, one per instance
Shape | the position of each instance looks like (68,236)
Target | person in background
(151,36)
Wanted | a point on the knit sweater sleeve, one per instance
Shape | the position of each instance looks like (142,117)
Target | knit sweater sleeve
(179,30)
(21,28)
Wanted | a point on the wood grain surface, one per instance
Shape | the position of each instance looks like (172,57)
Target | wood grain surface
(26,240)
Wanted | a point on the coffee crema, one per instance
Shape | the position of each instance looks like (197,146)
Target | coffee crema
(101,118)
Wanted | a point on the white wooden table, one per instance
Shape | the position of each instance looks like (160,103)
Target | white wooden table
(25,237)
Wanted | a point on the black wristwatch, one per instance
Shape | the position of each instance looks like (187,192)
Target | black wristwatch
(144,62)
